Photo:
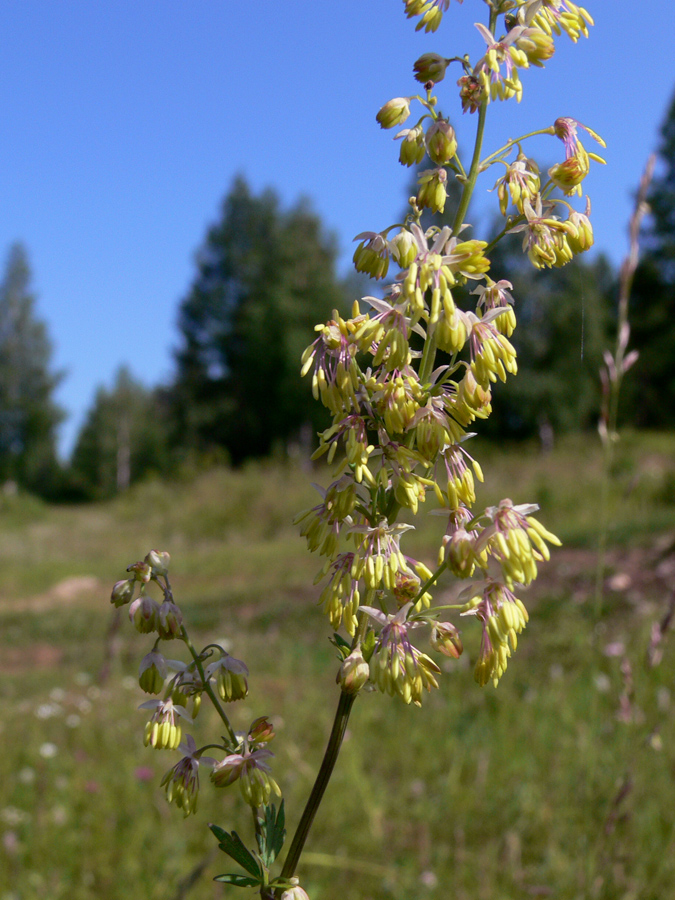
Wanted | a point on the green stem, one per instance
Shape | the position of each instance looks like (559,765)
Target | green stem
(473,171)
(513,142)
(431,581)
(428,357)
(207,687)
(323,777)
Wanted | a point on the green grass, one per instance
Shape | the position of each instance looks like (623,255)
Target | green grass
(481,794)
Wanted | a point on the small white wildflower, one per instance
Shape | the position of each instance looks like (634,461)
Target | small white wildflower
(13,816)
(48,710)
(59,815)
(48,750)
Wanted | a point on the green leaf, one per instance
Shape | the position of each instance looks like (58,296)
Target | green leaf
(233,845)
(272,834)
(238,880)
(343,646)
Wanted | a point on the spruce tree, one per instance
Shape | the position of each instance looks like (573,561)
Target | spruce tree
(648,393)
(28,414)
(264,275)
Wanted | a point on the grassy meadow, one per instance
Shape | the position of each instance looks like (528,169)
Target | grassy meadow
(560,783)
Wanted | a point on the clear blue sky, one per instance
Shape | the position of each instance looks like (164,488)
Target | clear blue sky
(124,121)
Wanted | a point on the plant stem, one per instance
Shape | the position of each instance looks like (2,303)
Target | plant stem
(473,171)
(207,687)
(615,376)
(323,777)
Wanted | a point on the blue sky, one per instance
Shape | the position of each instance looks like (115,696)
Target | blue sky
(123,123)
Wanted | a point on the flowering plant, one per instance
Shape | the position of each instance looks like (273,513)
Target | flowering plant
(404,378)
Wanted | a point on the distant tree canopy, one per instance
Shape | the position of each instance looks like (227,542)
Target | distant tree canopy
(265,277)
(649,389)
(28,414)
(122,440)
(563,317)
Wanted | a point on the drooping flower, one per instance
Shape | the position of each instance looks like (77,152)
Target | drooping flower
(163,731)
(580,236)
(372,254)
(341,597)
(501,53)
(516,540)
(378,556)
(335,377)
(503,617)
(545,237)
(431,12)
(520,182)
(394,112)
(556,16)
(413,147)
(250,768)
(182,781)
(430,67)
(230,676)
(152,672)
(496,295)
(396,666)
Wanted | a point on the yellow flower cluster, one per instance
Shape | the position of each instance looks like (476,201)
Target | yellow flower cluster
(399,418)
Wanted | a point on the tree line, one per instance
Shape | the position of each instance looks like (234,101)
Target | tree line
(264,276)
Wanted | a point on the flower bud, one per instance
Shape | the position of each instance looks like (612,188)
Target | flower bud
(141,571)
(471,92)
(143,613)
(432,192)
(158,560)
(371,256)
(261,730)
(169,620)
(152,673)
(354,672)
(294,892)
(430,67)
(446,640)
(404,249)
(412,146)
(394,112)
(122,592)
(406,587)
(581,238)
(441,142)
(569,174)
(227,771)
(460,553)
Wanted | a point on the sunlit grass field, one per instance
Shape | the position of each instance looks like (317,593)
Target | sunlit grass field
(559,783)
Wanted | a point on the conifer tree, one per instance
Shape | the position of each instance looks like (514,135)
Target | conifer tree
(28,414)
(264,274)
(648,397)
